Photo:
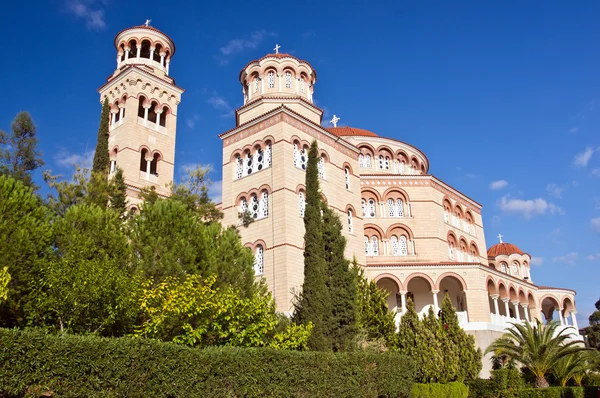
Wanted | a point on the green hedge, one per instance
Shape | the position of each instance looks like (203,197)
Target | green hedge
(33,363)
(551,392)
(437,390)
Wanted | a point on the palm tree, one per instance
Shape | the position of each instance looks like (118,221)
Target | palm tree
(537,348)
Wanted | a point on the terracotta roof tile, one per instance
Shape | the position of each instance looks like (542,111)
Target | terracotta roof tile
(505,249)
(350,131)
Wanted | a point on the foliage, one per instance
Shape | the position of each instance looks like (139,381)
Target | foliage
(101,159)
(537,348)
(20,157)
(86,285)
(592,332)
(373,316)
(118,196)
(314,304)
(195,313)
(193,193)
(506,378)
(482,388)
(341,284)
(25,236)
(85,366)
(4,280)
(549,392)
(170,239)
(437,390)
(575,367)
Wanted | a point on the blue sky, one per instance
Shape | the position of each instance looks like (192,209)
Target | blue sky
(503,97)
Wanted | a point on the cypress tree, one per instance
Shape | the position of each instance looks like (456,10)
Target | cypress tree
(433,347)
(341,283)
(314,303)
(101,160)
(118,197)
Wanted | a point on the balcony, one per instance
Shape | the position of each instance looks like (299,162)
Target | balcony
(151,125)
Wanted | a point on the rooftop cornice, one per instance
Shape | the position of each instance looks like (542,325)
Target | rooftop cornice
(295,98)
(145,29)
(366,139)
(131,68)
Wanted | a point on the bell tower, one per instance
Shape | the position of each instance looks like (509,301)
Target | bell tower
(143,100)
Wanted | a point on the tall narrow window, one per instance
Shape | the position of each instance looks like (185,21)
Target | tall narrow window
(395,247)
(259,157)
(397,167)
(271,79)
(371,210)
(361,160)
(243,205)
(515,269)
(303,158)
(239,167)
(259,267)
(248,162)
(403,246)
(401,170)
(296,156)
(381,162)
(367,246)
(268,155)
(347,177)
(264,205)
(451,251)
(386,163)
(256,84)
(374,246)
(302,85)
(288,80)
(391,208)
(301,203)
(446,216)
(399,208)
(350,224)
(503,267)
(364,207)
(321,167)
(367,161)
(254,207)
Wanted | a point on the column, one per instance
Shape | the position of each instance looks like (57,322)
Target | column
(127,50)
(148,169)
(516,305)
(436,307)
(506,309)
(114,119)
(152,53)
(146,116)
(560,317)
(297,86)
(121,112)
(403,299)
(118,61)
(384,247)
(162,60)
(495,300)
(279,80)
(168,63)
(157,125)
(526,311)
(412,242)
(139,52)
(408,207)
(262,86)
(574,319)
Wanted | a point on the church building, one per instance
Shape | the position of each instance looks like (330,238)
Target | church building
(414,234)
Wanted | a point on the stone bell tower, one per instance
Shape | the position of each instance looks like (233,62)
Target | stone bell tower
(143,103)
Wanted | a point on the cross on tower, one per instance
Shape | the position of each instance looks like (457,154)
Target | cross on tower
(277,47)
(147,23)
(334,120)
(500,236)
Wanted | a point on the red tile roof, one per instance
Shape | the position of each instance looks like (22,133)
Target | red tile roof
(505,249)
(350,131)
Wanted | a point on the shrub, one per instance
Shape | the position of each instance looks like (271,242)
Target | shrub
(550,392)
(438,390)
(33,363)
(507,378)
(482,388)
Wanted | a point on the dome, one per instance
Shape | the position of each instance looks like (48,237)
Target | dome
(503,249)
(350,131)
(278,56)
(139,31)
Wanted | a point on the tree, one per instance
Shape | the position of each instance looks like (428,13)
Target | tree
(340,283)
(411,342)
(22,157)
(537,348)
(101,160)
(25,234)
(86,285)
(314,302)
(4,279)
(592,332)
(459,347)
(574,367)
(118,196)
(373,317)
(431,346)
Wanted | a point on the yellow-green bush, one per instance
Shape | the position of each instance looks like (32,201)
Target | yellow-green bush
(438,390)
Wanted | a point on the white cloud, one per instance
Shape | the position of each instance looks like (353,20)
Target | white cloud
(595,223)
(66,159)
(87,10)
(236,46)
(215,190)
(500,184)
(191,121)
(569,258)
(583,158)
(596,172)
(537,261)
(593,257)
(221,104)
(555,190)
(574,130)
(528,208)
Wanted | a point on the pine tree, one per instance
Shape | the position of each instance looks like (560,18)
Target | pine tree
(406,338)
(433,348)
(101,160)
(314,303)
(21,157)
(118,197)
(341,283)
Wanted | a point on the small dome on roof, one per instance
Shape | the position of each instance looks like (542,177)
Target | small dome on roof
(505,249)
(350,131)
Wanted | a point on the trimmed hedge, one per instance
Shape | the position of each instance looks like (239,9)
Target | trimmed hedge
(551,392)
(33,363)
(437,390)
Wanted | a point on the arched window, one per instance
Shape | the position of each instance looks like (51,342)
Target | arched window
(268,156)
(361,160)
(364,207)
(145,51)
(243,205)
(271,79)
(367,246)
(503,267)
(239,167)
(515,268)
(386,163)
(367,161)
(451,251)
(401,169)
(303,158)
(391,208)
(381,162)
(403,246)
(141,109)
(395,246)
(371,209)
(288,79)
(321,167)
(143,161)
(256,84)
(395,208)
(397,166)
(259,157)
(459,255)
(248,163)
(446,216)
(374,246)
(302,85)
(264,205)
(473,256)
(350,224)
(154,164)
(157,51)
(297,162)
(254,207)
(259,267)
(301,203)
(162,120)
(347,177)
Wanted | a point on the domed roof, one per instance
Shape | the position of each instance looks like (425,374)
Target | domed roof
(350,131)
(278,56)
(503,248)
(151,28)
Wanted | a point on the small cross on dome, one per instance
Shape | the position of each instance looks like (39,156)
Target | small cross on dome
(500,236)
(334,120)
(277,47)
(147,23)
